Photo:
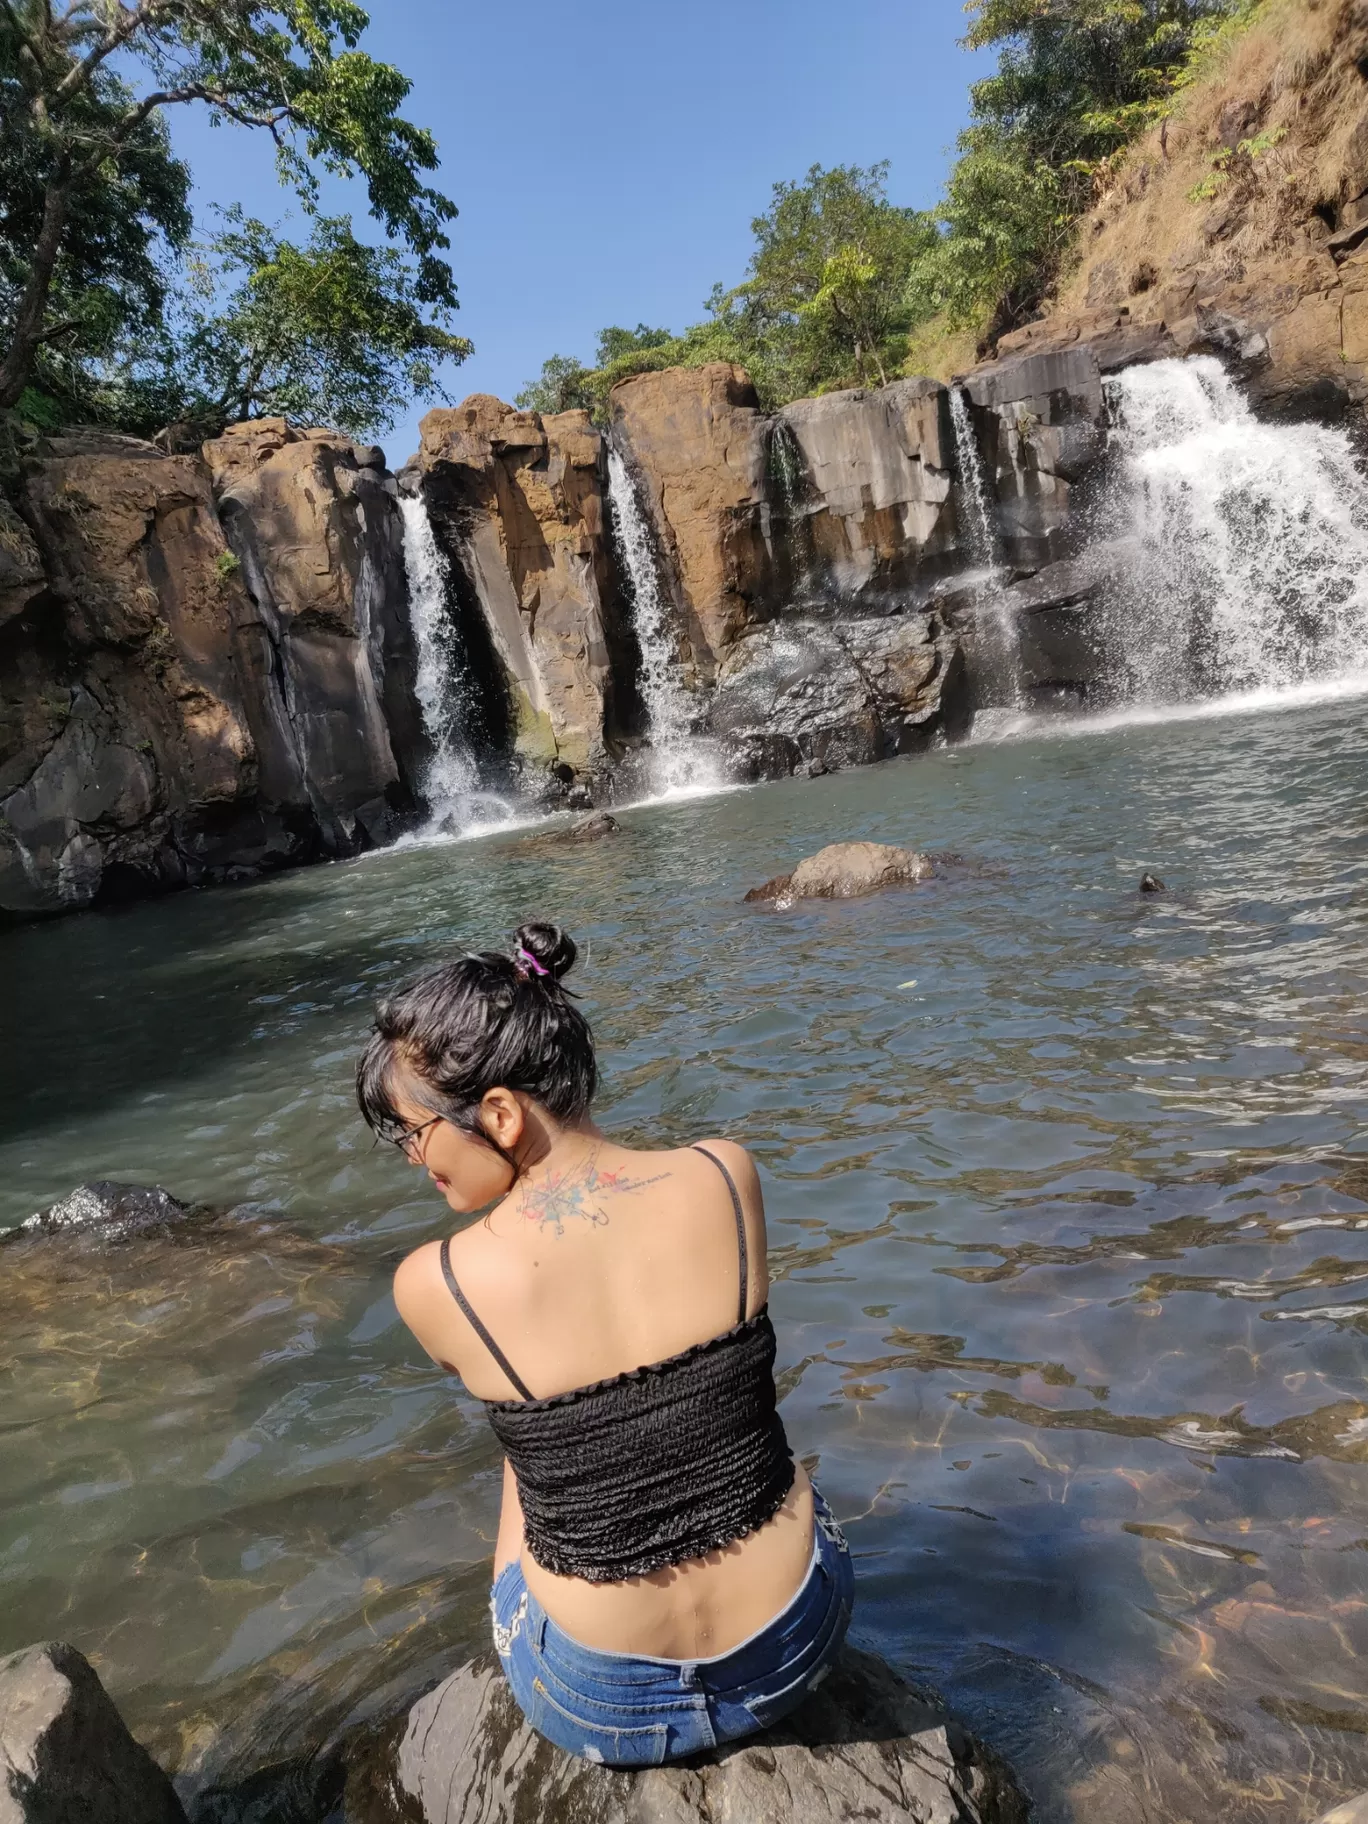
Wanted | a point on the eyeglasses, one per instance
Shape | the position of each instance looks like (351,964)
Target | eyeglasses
(406,1140)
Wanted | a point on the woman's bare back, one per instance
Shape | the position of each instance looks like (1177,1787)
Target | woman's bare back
(612,1260)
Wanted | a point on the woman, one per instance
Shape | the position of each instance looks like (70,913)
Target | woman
(665,1577)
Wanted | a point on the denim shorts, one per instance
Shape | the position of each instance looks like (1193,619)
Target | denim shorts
(626,1710)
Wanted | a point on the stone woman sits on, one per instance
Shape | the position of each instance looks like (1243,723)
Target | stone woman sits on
(666,1578)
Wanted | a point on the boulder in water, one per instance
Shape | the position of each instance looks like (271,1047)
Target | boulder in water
(591,828)
(109,1209)
(65,1753)
(865,1745)
(1151,883)
(845,870)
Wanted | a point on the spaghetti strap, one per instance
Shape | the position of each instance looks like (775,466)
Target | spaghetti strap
(743,1256)
(475,1323)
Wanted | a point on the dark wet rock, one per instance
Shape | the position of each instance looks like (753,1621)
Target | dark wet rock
(590,829)
(579,798)
(65,1754)
(842,693)
(1151,883)
(109,1209)
(865,1745)
(845,870)
(584,829)
(1040,422)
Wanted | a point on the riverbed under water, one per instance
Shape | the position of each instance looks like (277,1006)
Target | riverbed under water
(1068,1205)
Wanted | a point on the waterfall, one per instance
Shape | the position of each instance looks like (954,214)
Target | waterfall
(680,759)
(451,784)
(1247,543)
(980,535)
(980,532)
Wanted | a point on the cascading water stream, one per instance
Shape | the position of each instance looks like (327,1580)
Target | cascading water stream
(451,784)
(981,539)
(1246,561)
(680,759)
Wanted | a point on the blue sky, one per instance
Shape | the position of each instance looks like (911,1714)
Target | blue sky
(607,158)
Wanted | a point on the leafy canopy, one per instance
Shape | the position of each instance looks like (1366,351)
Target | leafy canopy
(1076,82)
(102,203)
(331,332)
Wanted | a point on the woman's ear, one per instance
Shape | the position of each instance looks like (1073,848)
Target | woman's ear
(503,1118)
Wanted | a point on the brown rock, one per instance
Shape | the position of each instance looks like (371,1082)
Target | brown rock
(518,500)
(125,708)
(865,1745)
(845,870)
(162,723)
(697,441)
(65,1754)
(315,524)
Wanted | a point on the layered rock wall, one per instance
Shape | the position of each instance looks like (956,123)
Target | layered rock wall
(518,502)
(171,713)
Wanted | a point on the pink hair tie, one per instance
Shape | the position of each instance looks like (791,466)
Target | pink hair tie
(531,962)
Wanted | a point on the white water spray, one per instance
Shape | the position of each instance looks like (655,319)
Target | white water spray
(451,784)
(681,760)
(1250,542)
(981,541)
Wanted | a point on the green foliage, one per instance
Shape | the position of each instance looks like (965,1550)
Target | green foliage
(329,333)
(1237,161)
(1077,81)
(825,302)
(102,203)
(226,565)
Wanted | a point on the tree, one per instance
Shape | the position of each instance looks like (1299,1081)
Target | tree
(616,344)
(828,279)
(287,67)
(562,386)
(331,333)
(1076,81)
(110,282)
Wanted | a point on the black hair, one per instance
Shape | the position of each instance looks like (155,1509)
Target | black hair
(489,1020)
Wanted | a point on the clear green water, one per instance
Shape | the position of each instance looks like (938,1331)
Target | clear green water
(1068,1197)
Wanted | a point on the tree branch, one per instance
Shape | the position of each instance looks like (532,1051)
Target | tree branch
(128,23)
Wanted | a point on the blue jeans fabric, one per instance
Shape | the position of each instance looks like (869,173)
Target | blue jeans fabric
(627,1710)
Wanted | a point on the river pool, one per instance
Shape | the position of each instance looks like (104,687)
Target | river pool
(1068,1205)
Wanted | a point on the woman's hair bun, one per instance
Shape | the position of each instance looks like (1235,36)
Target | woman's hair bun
(548,945)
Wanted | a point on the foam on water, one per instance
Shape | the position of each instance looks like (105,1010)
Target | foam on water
(682,762)
(1251,541)
(456,801)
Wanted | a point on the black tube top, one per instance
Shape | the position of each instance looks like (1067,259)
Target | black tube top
(654,1466)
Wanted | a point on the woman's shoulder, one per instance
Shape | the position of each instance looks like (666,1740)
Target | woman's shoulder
(735,1158)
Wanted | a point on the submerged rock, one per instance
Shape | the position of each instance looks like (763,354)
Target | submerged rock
(584,829)
(1151,883)
(114,1210)
(865,1745)
(65,1753)
(845,870)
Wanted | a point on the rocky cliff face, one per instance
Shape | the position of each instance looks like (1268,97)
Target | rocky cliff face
(158,725)
(1240,228)
(518,502)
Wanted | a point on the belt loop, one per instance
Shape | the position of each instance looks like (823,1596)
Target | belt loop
(538,1628)
(688,1676)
